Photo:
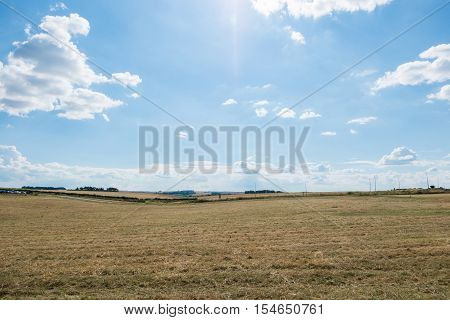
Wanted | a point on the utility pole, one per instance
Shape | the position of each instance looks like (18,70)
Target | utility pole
(375,181)
(370,185)
(398,179)
(428,183)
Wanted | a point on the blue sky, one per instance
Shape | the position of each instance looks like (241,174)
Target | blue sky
(193,56)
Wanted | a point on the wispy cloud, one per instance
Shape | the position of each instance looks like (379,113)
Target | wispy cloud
(286,113)
(362,121)
(183,135)
(105,117)
(363,73)
(261,87)
(261,103)
(58,6)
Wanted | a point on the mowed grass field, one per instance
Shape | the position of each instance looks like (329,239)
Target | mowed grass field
(331,247)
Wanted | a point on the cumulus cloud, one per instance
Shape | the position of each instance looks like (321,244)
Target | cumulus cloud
(286,113)
(84,104)
(442,94)
(64,27)
(42,74)
(328,133)
(127,79)
(353,131)
(362,121)
(399,156)
(434,68)
(315,8)
(296,36)
(229,102)
(10,156)
(261,112)
(309,114)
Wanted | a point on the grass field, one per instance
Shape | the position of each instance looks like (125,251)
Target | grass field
(332,247)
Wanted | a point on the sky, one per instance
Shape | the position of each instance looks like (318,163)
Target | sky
(67,122)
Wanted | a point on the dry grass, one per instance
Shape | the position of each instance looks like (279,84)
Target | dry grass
(352,247)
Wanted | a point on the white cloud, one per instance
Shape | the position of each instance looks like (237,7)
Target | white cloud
(286,113)
(308,114)
(127,79)
(363,73)
(398,156)
(432,170)
(321,167)
(328,133)
(261,103)
(352,131)
(64,27)
(9,155)
(41,74)
(105,117)
(435,69)
(261,112)
(296,36)
(264,86)
(84,103)
(58,6)
(229,102)
(183,135)
(134,95)
(315,8)
(16,170)
(362,121)
(442,94)
(27,31)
